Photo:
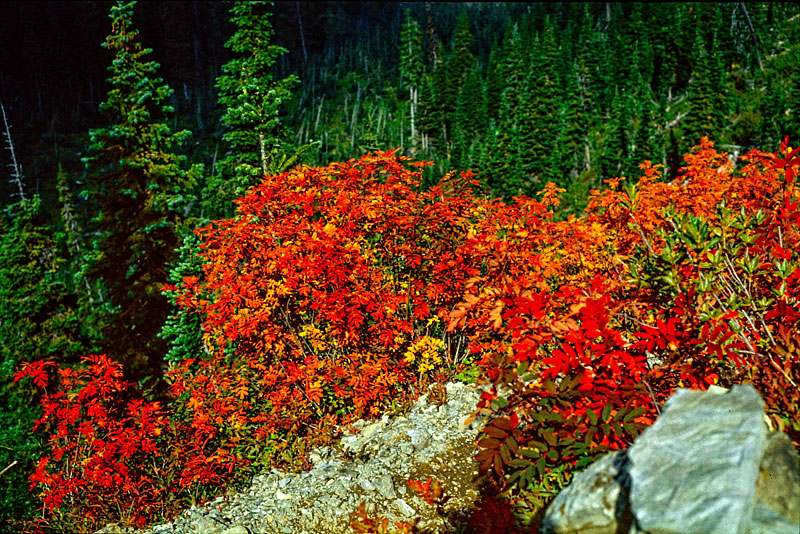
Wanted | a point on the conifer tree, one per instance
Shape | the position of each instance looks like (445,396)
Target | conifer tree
(793,122)
(252,98)
(142,188)
(448,81)
(540,105)
(647,140)
(616,137)
(505,174)
(569,157)
(494,84)
(37,321)
(705,100)
(431,115)
(182,329)
(469,119)
(411,68)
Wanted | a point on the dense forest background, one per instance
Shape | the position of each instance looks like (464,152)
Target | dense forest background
(522,93)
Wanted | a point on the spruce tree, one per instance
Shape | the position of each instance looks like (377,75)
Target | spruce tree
(539,105)
(431,115)
(494,84)
(142,189)
(568,156)
(793,121)
(40,319)
(252,98)
(705,100)
(469,119)
(647,140)
(411,69)
(449,80)
(505,174)
(616,137)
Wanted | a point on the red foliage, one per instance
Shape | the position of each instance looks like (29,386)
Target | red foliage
(314,293)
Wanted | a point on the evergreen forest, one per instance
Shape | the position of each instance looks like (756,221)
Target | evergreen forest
(231,228)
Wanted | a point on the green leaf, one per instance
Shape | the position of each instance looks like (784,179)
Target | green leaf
(633,414)
(587,439)
(489,443)
(540,466)
(513,447)
(606,412)
(504,454)
(499,403)
(495,432)
(592,416)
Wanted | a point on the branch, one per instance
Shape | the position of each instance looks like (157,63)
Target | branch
(9,466)
(675,121)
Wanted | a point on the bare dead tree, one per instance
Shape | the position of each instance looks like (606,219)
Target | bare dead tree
(753,35)
(16,170)
(302,35)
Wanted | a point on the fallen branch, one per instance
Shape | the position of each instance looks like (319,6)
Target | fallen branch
(9,466)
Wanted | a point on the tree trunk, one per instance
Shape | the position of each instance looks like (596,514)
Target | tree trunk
(262,146)
(302,35)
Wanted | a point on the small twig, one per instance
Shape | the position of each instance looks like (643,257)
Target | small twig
(652,397)
(9,466)
(641,234)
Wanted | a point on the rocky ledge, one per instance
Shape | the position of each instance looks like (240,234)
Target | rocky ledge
(371,465)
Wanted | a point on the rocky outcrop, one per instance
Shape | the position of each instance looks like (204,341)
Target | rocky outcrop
(371,465)
(708,465)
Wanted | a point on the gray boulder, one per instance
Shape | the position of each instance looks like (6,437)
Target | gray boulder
(708,465)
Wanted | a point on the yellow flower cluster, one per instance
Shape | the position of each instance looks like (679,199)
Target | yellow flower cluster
(426,352)
(315,337)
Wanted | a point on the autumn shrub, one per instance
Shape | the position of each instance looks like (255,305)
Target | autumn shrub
(690,282)
(720,289)
(326,297)
(113,456)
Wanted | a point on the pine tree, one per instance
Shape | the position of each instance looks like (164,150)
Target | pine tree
(495,84)
(647,141)
(469,119)
(411,69)
(182,329)
(503,167)
(448,81)
(705,100)
(793,122)
(430,116)
(252,98)
(142,189)
(539,106)
(616,137)
(569,152)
